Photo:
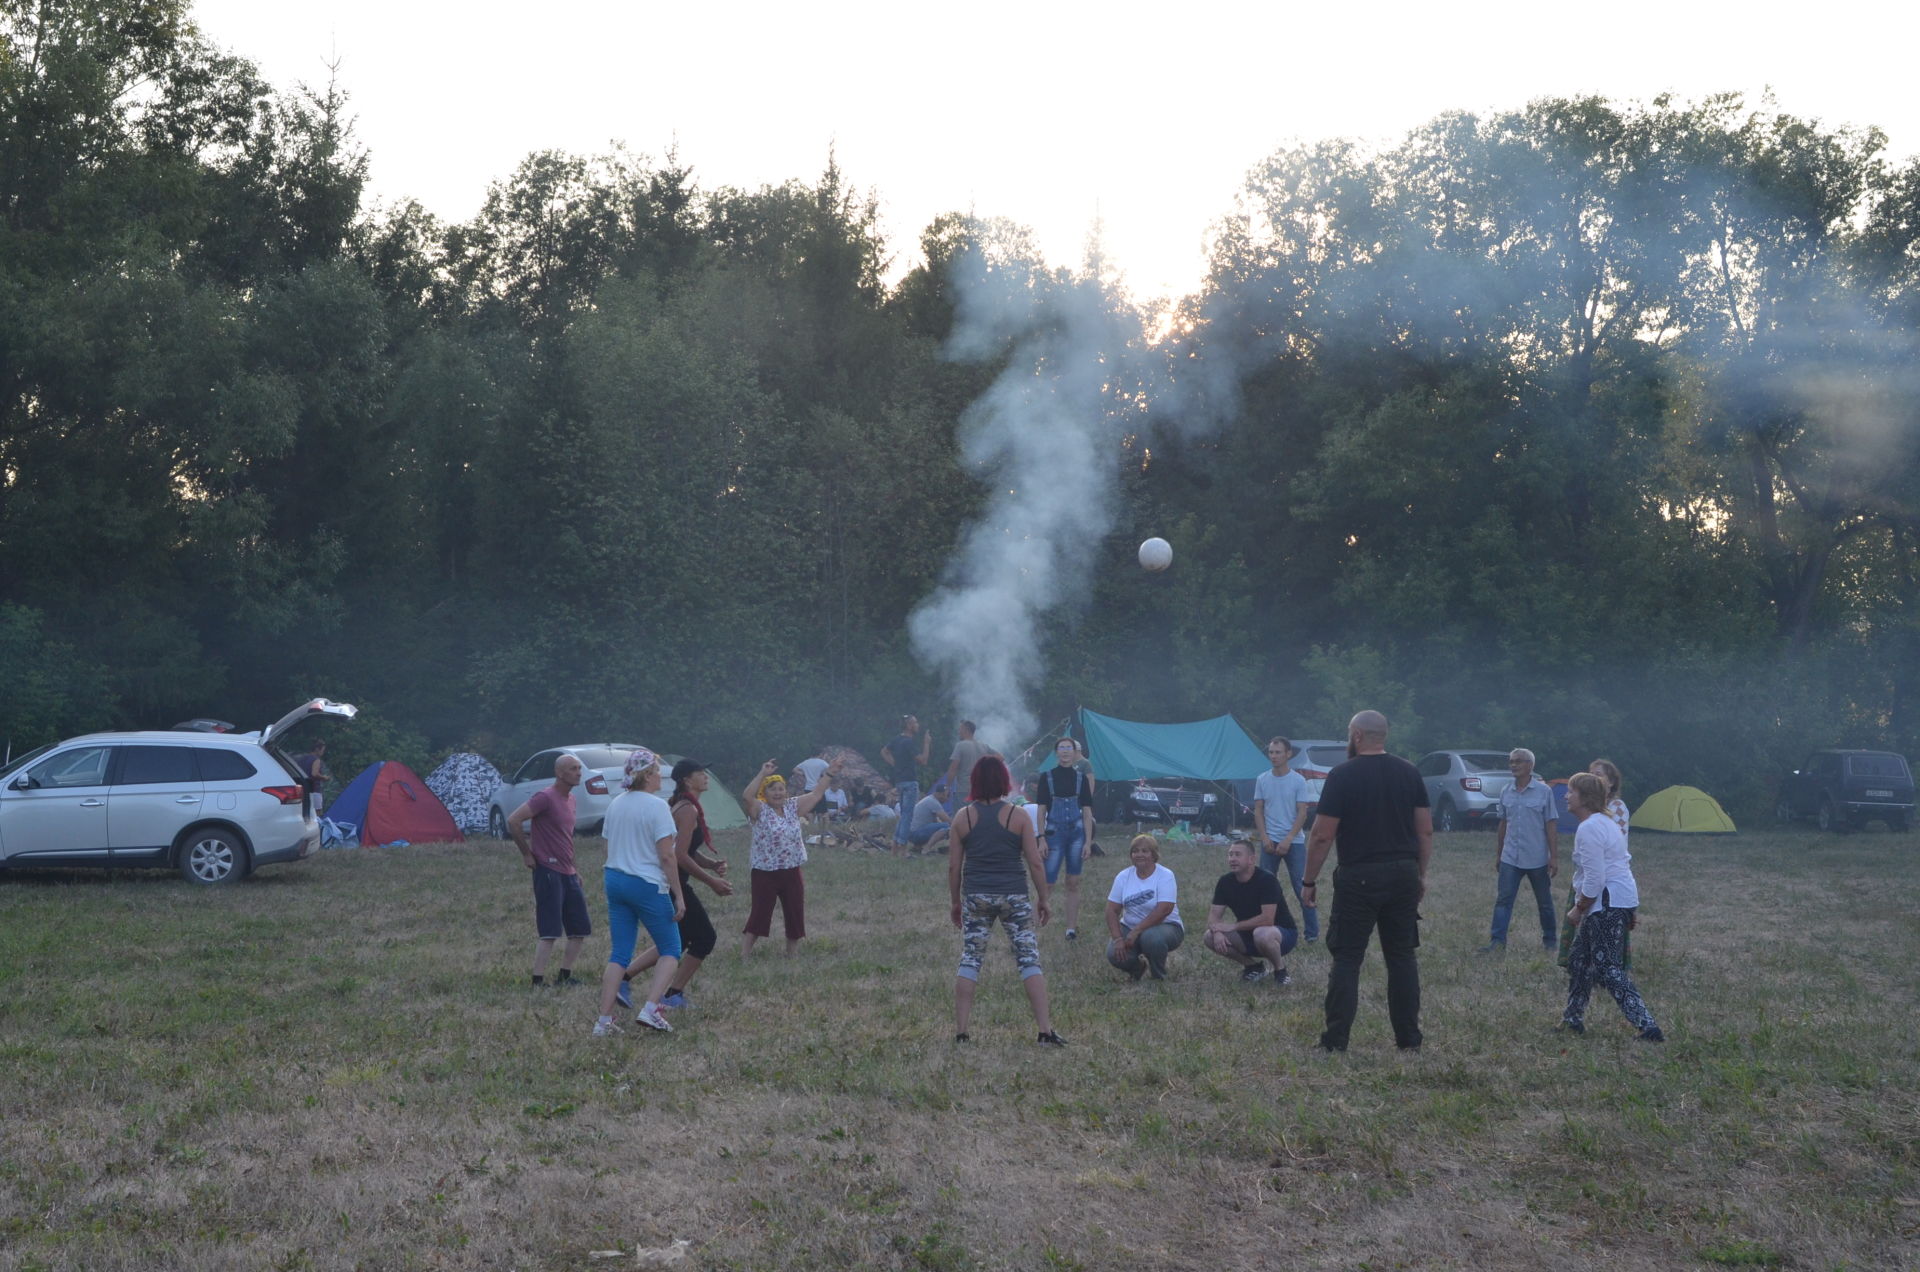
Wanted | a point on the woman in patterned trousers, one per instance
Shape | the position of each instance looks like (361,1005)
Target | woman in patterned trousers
(1605,898)
(991,855)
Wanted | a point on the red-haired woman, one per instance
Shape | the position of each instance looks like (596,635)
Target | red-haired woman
(991,857)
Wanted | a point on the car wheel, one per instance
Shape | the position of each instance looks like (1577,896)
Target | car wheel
(497,823)
(1897,823)
(213,857)
(1445,818)
(1783,811)
(1829,817)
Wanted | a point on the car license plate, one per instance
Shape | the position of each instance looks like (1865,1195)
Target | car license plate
(1879,794)
(1186,810)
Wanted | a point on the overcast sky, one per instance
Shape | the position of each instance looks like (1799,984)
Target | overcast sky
(1146,116)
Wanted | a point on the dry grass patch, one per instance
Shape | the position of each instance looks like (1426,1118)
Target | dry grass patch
(339,1065)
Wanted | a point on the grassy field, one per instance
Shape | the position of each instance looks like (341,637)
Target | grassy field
(340,1065)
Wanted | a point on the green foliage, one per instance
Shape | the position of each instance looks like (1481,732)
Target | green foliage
(50,692)
(1585,426)
(1355,679)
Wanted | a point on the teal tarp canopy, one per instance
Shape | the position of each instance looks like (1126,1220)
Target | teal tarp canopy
(1216,750)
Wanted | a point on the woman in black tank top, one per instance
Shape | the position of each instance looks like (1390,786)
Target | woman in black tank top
(991,857)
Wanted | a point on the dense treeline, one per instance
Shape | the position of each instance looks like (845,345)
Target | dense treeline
(1589,427)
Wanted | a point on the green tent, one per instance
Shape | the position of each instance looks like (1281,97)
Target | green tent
(1682,810)
(1216,750)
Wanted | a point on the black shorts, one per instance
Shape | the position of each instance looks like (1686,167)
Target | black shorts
(697,935)
(559,905)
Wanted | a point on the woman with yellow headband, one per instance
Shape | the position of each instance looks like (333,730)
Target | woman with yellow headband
(779,850)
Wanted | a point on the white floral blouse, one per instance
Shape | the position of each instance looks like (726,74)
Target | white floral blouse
(778,841)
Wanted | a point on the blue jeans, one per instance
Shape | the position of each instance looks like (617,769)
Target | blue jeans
(1066,835)
(919,835)
(909,796)
(1296,862)
(1510,877)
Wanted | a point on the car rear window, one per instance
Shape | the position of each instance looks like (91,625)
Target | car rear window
(1877,766)
(599,757)
(1484,762)
(1325,757)
(217,765)
(157,766)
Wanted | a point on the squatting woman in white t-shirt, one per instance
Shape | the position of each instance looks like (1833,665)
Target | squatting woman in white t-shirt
(1143,913)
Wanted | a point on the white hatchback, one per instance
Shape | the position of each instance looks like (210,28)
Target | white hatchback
(211,805)
(603,770)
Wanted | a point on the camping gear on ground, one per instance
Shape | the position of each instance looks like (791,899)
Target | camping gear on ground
(1682,810)
(391,804)
(464,782)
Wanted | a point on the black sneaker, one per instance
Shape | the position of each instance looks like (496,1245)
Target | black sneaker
(1255,973)
(1050,1039)
(1652,1034)
(1281,976)
(1073,934)
(960,1037)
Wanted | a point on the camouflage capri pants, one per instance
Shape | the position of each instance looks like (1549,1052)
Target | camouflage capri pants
(1015,913)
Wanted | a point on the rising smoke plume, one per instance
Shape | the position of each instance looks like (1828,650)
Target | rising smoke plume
(1046,439)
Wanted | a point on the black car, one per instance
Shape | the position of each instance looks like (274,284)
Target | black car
(1167,800)
(1844,790)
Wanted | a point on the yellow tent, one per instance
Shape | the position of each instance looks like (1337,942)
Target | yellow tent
(1683,810)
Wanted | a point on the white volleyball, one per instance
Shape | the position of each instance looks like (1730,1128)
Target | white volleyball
(1156,554)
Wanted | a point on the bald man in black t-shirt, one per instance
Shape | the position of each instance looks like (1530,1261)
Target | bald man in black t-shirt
(1374,809)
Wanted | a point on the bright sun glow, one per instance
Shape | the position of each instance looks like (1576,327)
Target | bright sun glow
(1017,111)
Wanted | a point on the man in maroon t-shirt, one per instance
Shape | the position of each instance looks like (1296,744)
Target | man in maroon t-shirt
(559,903)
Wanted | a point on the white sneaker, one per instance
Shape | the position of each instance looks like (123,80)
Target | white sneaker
(650,1017)
(606,1029)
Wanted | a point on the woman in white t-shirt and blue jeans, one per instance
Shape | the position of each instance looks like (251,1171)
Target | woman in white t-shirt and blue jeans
(1143,913)
(643,890)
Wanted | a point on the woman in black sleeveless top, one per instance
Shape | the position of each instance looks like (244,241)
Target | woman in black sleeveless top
(992,855)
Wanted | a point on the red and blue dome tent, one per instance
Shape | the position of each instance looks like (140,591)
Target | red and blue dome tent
(391,805)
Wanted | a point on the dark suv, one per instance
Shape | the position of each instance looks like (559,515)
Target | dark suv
(1844,790)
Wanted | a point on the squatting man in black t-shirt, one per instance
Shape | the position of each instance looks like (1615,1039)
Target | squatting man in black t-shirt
(1261,924)
(1374,808)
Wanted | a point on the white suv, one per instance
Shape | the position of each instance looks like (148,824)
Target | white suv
(210,805)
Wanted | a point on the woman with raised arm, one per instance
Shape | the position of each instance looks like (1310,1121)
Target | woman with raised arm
(992,855)
(779,850)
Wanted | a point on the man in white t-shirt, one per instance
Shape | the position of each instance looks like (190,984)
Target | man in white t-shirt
(1280,826)
(811,771)
(1143,913)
